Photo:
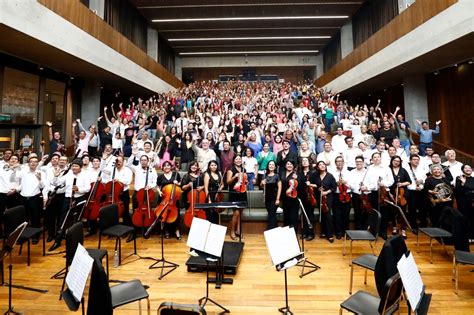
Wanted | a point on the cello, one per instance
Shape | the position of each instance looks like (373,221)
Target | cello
(113,189)
(241,185)
(93,203)
(194,196)
(143,215)
(167,210)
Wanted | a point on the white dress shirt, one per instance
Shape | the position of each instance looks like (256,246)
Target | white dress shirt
(338,143)
(7,180)
(376,173)
(140,177)
(124,175)
(419,173)
(350,155)
(329,158)
(355,178)
(82,182)
(344,174)
(454,168)
(29,184)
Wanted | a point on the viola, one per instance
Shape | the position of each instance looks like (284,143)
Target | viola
(291,191)
(167,211)
(241,185)
(94,201)
(113,190)
(401,200)
(194,196)
(143,215)
(324,203)
(344,196)
(383,193)
(311,197)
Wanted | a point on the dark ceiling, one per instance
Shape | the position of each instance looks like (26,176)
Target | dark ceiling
(218,34)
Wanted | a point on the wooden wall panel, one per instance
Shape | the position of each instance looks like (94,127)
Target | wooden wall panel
(451,99)
(79,15)
(417,14)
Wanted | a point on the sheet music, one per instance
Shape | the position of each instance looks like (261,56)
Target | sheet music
(411,279)
(282,244)
(215,240)
(79,272)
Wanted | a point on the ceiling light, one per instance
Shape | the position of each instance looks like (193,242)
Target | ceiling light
(249,52)
(436,72)
(244,38)
(471,62)
(252,18)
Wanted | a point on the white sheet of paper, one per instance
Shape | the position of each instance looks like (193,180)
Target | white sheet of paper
(198,234)
(215,240)
(79,272)
(411,279)
(282,244)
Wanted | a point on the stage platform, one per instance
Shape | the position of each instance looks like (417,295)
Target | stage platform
(232,254)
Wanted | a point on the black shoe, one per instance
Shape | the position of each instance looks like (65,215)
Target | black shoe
(331,240)
(338,237)
(50,239)
(55,246)
(34,241)
(383,236)
(131,237)
(415,231)
(309,238)
(91,233)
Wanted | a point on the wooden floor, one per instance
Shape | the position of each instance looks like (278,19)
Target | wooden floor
(257,288)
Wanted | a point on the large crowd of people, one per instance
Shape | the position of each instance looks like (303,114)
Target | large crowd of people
(291,141)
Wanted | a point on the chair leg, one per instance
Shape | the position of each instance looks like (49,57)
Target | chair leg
(135,245)
(28,255)
(418,239)
(431,250)
(456,278)
(98,246)
(351,251)
(140,307)
(444,246)
(365,277)
(454,265)
(352,278)
(372,248)
(344,246)
(107,264)
(340,311)
(120,250)
(148,308)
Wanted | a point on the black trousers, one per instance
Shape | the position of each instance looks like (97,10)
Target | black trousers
(125,198)
(417,209)
(374,202)
(272,217)
(34,207)
(310,213)
(62,226)
(290,212)
(52,213)
(3,206)
(341,215)
(360,217)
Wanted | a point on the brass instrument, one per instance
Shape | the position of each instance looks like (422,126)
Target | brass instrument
(442,193)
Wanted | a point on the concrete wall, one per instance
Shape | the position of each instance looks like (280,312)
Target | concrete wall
(90,107)
(415,99)
(152,43)
(247,61)
(347,40)
(98,6)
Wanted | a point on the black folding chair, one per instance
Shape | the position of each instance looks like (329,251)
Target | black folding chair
(12,218)
(109,226)
(370,235)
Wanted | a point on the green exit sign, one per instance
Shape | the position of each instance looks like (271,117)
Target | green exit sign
(5,117)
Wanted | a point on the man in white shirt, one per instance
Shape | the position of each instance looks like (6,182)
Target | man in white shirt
(31,181)
(145,177)
(341,207)
(338,141)
(204,155)
(181,123)
(356,178)
(416,195)
(351,153)
(53,197)
(328,156)
(453,165)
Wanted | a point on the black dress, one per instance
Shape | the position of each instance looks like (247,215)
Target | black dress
(197,182)
(271,191)
(234,195)
(465,199)
(214,184)
(291,205)
(161,182)
(328,182)
(307,232)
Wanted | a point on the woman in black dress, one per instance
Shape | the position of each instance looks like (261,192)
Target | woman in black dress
(291,205)
(212,184)
(232,178)
(192,180)
(465,197)
(433,184)
(169,177)
(305,173)
(325,186)
(401,179)
(187,152)
(272,190)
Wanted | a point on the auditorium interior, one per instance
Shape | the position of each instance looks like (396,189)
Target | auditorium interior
(104,102)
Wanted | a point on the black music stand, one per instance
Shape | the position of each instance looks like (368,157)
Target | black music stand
(305,263)
(210,258)
(7,251)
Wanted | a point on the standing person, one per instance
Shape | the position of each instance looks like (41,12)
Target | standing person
(213,182)
(341,208)
(351,153)
(77,185)
(192,180)
(226,157)
(435,186)
(325,185)
(167,152)
(56,143)
(426,134)
(338,141)
(263,158)
(169,177)
(356,177)
(290,181)
(416,204)
(187,153)
(465,197)
(286,155)
(272,191)
(233,176)
(140,179)
(204,154)
(305,173)
(31,181)
(251,167)
(401,179)
(455,167)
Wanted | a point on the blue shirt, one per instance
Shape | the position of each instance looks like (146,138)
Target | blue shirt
(256,147)
(426,136)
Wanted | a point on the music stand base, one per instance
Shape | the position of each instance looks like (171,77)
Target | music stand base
(220,282)
(208,299)
(22,287)
(170,266)
(306,264)
(11,311)
(285,310)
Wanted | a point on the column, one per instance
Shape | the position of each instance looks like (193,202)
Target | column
(98,6)
(415,99)
(319,65)
(90,106)
(178,68)
(152,43)
(347,42)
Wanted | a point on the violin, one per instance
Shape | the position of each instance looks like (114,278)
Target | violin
(194,196)
(113,190)
(143,216)
(324,203)
(167,211)
(311,196)
(291,191)
(400,196)
(93,203)
(241,185)
(383,193)
(344,196)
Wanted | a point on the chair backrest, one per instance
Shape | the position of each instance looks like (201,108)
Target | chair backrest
(100,298)
(374,221)
(13,217)
(452,220)
(108,216)
(74,236)
(391,295)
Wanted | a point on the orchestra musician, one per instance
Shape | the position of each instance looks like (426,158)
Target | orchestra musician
(324,185)
(378,176)
(341,208)
(401,180)
(272,192)
(465,197)
(140,172)
(192,180)
(93,174)
(169,177)
(213,183)
(416,204)
(432,184)
(8,185)
(30,182)
(355,178)
(305,173)
(233,176)
(290,180)
(76,191)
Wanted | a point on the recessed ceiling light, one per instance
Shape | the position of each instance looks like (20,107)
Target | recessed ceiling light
(244,38)
(249,52)
(252,18)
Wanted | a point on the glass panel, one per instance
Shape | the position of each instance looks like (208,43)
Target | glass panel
(54,103)
(7,138)
(20,97)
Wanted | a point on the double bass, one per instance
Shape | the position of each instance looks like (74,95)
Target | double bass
(194,196)
(143,215)
(93,203)
(113,190)
(167,211)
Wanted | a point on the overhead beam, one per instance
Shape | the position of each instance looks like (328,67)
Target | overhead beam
(249,61)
